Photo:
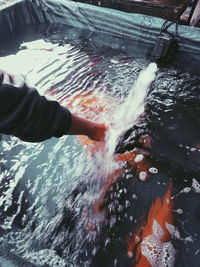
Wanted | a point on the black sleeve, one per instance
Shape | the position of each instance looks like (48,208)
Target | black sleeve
(31,117)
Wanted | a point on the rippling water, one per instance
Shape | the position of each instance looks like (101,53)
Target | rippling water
(71,202)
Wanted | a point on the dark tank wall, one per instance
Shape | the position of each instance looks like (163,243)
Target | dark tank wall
(140,30)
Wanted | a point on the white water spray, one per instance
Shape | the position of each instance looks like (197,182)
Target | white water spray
(128,113)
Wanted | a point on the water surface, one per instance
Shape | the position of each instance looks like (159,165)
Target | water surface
(131,201)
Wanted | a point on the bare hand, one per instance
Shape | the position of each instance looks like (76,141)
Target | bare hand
(99,132)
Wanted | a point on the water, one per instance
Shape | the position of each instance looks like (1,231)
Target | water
(71,202)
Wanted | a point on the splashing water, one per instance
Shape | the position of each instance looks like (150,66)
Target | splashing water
(133,106)
(37,180)
(65,74)
(129,111)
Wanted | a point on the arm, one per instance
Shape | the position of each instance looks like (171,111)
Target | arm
(33,118)
(93,130)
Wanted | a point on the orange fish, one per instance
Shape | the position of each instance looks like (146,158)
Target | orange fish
(153,236)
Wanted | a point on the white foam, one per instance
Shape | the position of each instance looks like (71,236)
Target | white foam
(139,158)
(158,254)
(134,196)
(172,230)
(185,190)
(157,230)
(179,211)
(153,170)
(10,219)
(188,239)
(134,105)
(46,257)
(195,186)
(128,113)
(143,176)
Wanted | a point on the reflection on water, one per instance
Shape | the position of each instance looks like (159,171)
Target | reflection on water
(131,201)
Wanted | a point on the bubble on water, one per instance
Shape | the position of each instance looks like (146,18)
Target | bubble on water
(157,229)
(120,208)
(158,253)
(114,61)
(168,255)
(139,158)
(115,262)
(134,196)
(125,190)
(129,176)
(179,211)
(153,170)
(172,230)
(113,221)
(131,218)
(197,252)
(127,204)
(94,251)
(130,254)
(111,207)
(143,176)
(137,238)
(195,186)
(46,257)
(186,190)
(151,251)
(107,241)
(188,239)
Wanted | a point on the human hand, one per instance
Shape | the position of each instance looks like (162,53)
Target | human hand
(93,130)
(98,132)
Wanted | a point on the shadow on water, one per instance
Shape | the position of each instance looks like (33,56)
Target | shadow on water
(133,201)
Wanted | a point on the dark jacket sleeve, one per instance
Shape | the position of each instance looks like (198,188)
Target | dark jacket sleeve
(31,117)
